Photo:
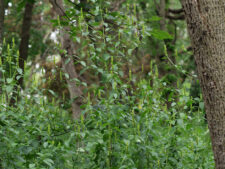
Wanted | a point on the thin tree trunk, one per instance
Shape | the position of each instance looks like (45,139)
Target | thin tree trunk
(163,64)
(2,16)
(206,26)
(162,14)
(25,36)
(69,68)
(23,48)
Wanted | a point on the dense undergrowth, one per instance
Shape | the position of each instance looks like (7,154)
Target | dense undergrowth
(132,118)
(119,131)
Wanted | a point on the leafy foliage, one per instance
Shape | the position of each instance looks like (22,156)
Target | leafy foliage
(132,117)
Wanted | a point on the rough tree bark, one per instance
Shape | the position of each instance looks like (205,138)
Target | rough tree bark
(2,16)
(23,48)
(206,27)
(69,68)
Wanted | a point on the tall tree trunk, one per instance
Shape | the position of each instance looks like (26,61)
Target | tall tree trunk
(23,48)
(164,71)
(162,14)
(69,68)
(206,26)
(25,36)
(2,16)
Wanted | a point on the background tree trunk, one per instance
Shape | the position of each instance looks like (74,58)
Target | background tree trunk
(2,16)
(69,68)
(166,70)
(25,36)
(206,26)
(23,48)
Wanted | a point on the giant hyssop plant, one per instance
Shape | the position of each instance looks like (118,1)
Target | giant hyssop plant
(119,131)
(125,122)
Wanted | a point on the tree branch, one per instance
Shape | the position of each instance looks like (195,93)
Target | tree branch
(175,17)
(176,11)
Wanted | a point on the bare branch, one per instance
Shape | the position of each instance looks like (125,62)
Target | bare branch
(175,17)
(176,11)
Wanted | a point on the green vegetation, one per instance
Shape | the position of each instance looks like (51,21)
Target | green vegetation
(139,107)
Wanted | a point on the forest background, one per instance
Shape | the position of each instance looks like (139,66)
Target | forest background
(99,84)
